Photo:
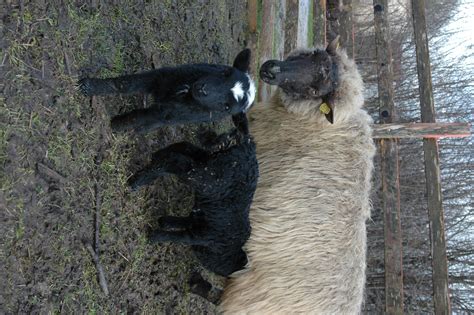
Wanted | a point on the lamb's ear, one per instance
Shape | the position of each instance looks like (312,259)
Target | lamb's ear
(242,61)
(333,45)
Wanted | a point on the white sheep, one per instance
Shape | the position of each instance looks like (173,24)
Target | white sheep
(307,249)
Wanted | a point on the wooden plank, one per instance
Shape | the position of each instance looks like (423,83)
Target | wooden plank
(303,23)
(432,172)
(389,165)
(319,23)
(291,25)
(421,130)
(346,28)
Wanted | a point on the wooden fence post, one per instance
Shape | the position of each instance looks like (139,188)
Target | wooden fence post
(291,25)
(432,173)
(389,165)
(346,28)
(302,39)
(319,23)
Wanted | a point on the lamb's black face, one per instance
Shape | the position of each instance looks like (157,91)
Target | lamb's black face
(230,89)
(307,75)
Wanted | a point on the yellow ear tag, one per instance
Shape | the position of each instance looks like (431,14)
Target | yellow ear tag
(324,108)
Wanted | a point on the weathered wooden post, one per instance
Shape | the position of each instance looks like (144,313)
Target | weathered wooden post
(346,27)
(291,25)
(432,173)
(389,165)
(319,23)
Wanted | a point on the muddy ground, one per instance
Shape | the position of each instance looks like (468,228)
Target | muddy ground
(60,161)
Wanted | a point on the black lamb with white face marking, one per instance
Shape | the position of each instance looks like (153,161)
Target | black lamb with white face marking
(184,94)
(224,178)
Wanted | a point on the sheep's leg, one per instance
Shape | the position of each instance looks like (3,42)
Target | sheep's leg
(135,83)
(178,159)
(182,237)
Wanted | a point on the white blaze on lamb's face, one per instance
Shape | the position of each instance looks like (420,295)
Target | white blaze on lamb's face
(237,91)
(250,93)
(244,92)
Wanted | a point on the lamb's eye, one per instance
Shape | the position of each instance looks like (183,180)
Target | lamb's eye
(314,92)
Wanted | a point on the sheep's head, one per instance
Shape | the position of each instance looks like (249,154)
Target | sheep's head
(231,88)
(306,75)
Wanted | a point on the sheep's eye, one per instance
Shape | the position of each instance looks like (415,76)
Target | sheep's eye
(314,92)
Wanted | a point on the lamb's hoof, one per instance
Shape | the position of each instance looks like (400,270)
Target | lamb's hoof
(199,286)
(85,86)
(158,236)
(135,183)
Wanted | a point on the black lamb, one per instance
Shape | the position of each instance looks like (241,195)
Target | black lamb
(189,93)
(224,178)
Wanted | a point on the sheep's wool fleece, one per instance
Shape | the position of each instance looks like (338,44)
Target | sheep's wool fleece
(307,249)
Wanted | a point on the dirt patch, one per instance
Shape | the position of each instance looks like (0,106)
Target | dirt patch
(56,147)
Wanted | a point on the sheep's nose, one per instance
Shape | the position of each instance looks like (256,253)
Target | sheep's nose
(269,70)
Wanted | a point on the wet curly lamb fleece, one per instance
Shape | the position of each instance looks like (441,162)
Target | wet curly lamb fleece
(224,179)
(307,249)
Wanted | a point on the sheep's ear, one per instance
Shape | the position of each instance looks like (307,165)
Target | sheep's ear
(242,61)
(330,116)
(333,45)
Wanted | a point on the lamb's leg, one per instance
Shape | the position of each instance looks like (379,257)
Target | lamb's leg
(183,148)
(215,143)
(178,158)
(146,176)
(241,123)
(127,84)
(175,223)
(176,164)
(177,110)
(182,237)
(198,285)
(140,120)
